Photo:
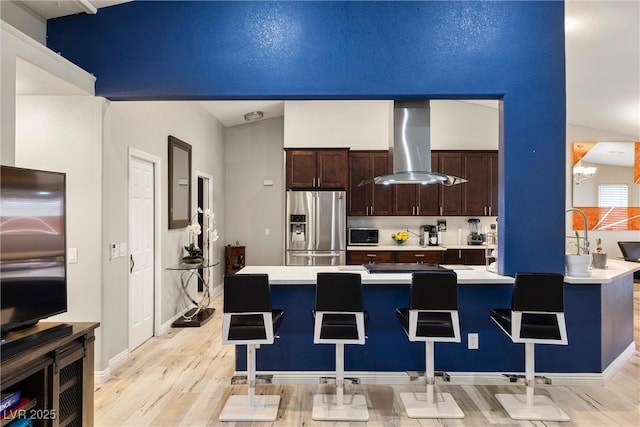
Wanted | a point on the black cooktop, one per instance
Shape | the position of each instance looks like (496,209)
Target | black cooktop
(402,268)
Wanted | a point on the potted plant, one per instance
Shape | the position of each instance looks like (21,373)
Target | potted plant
(599,256)
(578,264)
(193,231)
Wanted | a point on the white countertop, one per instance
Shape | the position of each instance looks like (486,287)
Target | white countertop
(467,274)
(615,268)
(303,275)
(396,247)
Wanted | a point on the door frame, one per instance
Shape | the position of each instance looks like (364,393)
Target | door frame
(157,239)
(194,196)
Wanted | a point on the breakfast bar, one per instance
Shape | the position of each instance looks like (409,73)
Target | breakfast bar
(598,310)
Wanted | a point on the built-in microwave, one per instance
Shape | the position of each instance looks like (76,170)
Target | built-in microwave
(363,236)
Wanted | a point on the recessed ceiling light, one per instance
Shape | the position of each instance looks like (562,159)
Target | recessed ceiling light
(253,116)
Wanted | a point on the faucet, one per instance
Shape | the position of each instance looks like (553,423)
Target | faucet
(584,222)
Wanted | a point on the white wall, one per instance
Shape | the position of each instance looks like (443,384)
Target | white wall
(64,134)
(14,44)
(146,126)
(254,153)
(609,238)
(360,125)
(368,125)
(24,19)
(459,125)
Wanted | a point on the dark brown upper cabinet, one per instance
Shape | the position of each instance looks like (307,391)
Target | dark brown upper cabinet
(480,194)
(450,163)
(317,168)
(370,199)
(418,199)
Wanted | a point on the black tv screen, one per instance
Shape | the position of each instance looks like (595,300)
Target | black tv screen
(33,274)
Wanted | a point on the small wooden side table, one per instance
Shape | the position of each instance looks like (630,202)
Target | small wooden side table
(234,258)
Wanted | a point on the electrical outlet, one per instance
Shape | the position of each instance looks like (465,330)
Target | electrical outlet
(472,341)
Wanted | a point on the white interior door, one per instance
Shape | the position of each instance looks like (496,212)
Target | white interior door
(141,249)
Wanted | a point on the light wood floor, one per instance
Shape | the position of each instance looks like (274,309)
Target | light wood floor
(183,379)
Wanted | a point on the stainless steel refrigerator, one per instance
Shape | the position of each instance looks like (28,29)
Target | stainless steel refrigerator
(316,228)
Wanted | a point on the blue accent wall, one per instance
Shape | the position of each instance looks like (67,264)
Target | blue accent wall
(509,50)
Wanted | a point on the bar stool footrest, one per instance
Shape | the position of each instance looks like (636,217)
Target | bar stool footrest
(539,379)
(543,409)
(260,379)
(350,380)
(416,375)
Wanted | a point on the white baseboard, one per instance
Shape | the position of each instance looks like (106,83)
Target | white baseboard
(164,328)
(101,377)
(618,362)
(216,290)
(459,378)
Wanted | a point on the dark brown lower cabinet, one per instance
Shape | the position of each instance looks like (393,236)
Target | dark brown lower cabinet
(56,377)
(464,256)
(365,257)
(420,257)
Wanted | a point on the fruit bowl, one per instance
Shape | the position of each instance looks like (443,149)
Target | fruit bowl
(400,237)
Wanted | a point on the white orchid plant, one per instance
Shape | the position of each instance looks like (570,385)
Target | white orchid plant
(194,230)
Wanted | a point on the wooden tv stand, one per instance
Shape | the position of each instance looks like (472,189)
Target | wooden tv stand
(56,376)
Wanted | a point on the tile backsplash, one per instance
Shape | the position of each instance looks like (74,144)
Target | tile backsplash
(457,227)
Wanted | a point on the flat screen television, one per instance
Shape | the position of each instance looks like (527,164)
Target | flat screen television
(33,274)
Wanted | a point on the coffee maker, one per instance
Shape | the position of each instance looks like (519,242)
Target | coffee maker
(430,235)
(474,237)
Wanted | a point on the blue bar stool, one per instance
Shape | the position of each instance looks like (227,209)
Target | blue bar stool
(432,317)
(339,318)
(249,319)
(536,316)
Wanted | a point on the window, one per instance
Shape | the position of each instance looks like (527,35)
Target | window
(613,196)
(613,201)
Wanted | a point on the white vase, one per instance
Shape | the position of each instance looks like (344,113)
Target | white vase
(577,265)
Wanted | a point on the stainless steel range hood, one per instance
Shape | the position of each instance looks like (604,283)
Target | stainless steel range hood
(411,148)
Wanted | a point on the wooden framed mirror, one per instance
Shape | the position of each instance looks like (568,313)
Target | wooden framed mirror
(179,183)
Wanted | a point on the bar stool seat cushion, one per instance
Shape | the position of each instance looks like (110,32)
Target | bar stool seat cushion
(340,326)
(251,326)
(429,324)
(534,325)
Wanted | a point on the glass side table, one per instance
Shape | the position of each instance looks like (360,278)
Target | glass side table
(201,312)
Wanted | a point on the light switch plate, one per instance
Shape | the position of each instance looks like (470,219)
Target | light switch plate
(123,249)
(114,250)
(72,255)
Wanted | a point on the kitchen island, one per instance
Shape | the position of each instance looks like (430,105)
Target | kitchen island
(592,307)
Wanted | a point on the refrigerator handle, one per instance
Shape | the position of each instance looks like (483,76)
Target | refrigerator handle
(316,212)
